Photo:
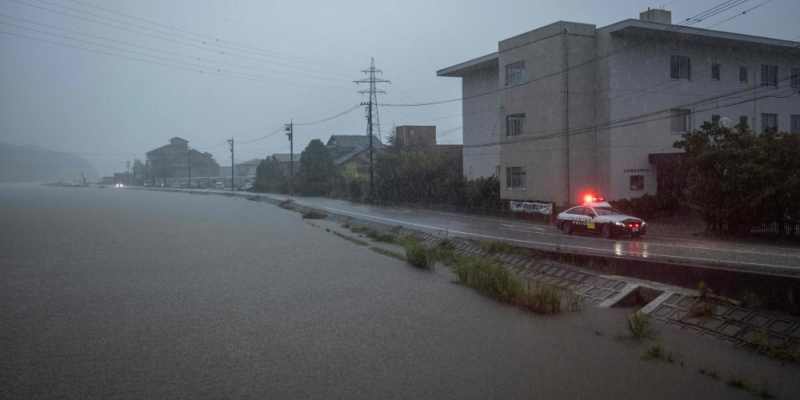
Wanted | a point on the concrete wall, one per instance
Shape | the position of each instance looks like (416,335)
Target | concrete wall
(481,123)
(550,111)
(639,83)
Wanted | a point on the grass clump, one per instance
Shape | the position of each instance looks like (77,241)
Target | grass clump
(654,352)
(444,252)
(760,342)
(740,383)
(639,325)
(542,299)
(382,237)
(488,278)
(314,214)
(417,255)
(361,229)
(496,247)
(491,279)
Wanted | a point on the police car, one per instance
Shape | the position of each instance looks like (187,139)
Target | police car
(596,215)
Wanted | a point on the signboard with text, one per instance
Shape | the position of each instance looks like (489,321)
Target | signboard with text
(531,207)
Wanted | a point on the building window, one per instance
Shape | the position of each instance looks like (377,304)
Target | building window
(715,120)
(515,177)
(679,120)
(680,67)
(795,123)
(515,124)
(795,78)
(769,123)
(516,73)
(769,75)
(637,182)
(743,74)
(715,71)
(743,121)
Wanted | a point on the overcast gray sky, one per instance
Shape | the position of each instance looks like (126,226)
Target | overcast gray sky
(273,60)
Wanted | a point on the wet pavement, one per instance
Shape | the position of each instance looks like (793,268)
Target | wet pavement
(136,294)
(741,256)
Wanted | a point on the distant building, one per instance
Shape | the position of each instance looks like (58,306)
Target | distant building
(172,161)
(247,168)
(341,145)
(571,108)
(284,160)
(414,136)
(423,138)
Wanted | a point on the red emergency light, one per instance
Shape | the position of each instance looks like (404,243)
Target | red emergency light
(591,198)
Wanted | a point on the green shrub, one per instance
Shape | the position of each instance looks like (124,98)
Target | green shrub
(542,299)
(444,252)
(381,237)
(639,325)
(314,214)
(489,278)
(417,255)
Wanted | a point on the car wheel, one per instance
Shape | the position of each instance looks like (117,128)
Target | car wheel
(606,232)
(567,227)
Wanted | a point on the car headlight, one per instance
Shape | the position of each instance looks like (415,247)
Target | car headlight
(618,223)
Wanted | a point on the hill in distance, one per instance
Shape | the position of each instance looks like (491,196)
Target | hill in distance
(35,164)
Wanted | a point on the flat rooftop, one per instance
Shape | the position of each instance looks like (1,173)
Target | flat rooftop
(636,26)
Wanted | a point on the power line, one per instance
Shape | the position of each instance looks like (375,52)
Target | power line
(716,10)
(697,18)
(740,14)
(633,120)
(208,66)
(138,30)
(335,116)
(208,39)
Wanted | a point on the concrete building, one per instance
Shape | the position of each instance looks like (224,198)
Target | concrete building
(247,168)
(342,145)
(570,108)
(172,161)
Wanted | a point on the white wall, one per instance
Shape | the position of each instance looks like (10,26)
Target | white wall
(481,123)
(640,83)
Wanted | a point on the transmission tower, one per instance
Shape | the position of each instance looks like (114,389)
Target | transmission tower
(371,106)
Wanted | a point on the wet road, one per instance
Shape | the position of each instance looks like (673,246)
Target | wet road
(116,294)
(742,256)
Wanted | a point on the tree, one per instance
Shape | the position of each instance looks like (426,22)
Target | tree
(317,170)
(737,179)
(270,177)
(410,176)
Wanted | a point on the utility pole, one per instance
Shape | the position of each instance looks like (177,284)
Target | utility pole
(128,173)
(289,128)
(371,107)
(233,167)
(189,166)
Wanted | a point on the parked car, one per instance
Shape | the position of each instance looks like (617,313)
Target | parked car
(599,217)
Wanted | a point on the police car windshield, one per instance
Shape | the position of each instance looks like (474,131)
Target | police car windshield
(606,211)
